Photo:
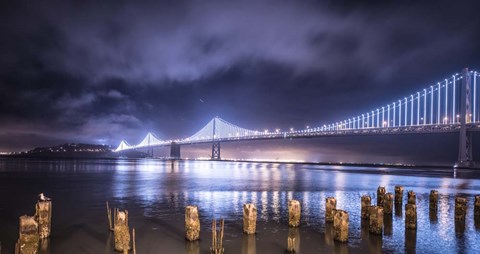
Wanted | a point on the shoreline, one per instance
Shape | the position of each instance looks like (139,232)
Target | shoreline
(346,164)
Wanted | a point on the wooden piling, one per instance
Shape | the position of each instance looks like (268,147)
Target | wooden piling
(433,200)
(459,227)
(330,206)
(28,240)
(217,238)
(109,217)
(398,194)
(366,203)
(121,231)
(134,243)
(43,215)
(387,224)
(410,216)
(412,197)
(410,241)
(388,203)
(294,211)
(460,208)
(192,223)
(340,226)
(376,220)
(249,218)
(476,209)
(380,195)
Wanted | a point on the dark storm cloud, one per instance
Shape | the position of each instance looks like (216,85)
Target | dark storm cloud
(100,72)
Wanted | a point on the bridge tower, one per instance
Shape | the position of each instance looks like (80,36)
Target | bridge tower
(465,139)
(215,144)
(174,150)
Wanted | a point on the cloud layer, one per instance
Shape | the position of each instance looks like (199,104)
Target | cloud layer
(100,72)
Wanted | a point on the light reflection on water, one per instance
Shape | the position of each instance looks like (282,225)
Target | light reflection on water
(156,193)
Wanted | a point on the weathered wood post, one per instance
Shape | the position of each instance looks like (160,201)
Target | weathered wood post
(134,242)
(43,216)
(376,220)
(398,194)
(366,203)
(28,240)
(375,243)
(293,240)
(410,216)
(380,195)
(388,203)
(410,241)
(412,197)
(398,210)
(340,226)
(460,208)
(192,223)
(364,232)
(476,209)
(432,214)
(217,238)
(433,200)
(459,227)
(387,224)
(294,211)
(121,231)
(249,218)
(109,217)
(330,205)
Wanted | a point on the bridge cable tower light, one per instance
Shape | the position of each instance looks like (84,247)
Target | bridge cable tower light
(215,144)
(465,140)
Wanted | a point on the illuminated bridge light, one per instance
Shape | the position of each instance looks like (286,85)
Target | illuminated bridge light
(436,105)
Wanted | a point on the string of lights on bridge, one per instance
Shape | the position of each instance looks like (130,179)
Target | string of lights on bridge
(435,108)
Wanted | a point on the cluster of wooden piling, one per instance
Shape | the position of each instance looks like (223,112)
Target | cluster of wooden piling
(33,229)
(121,231)
(372,215)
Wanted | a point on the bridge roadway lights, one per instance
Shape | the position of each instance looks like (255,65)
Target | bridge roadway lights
(174,150)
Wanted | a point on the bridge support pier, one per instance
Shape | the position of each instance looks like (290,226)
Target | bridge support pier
(174,150)
(216,150)
(465,159)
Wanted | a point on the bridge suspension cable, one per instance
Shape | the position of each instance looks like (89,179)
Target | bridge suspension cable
(223,130)
(438,106)
(435,105)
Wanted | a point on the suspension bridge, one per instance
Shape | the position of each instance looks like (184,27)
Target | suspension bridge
(450,105)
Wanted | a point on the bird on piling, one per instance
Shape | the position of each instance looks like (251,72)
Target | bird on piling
(43,197)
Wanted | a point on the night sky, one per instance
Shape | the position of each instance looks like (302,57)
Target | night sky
(100,72)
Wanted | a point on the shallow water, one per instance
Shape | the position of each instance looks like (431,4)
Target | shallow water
(156,192)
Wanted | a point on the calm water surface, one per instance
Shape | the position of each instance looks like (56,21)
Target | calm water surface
(156,192)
